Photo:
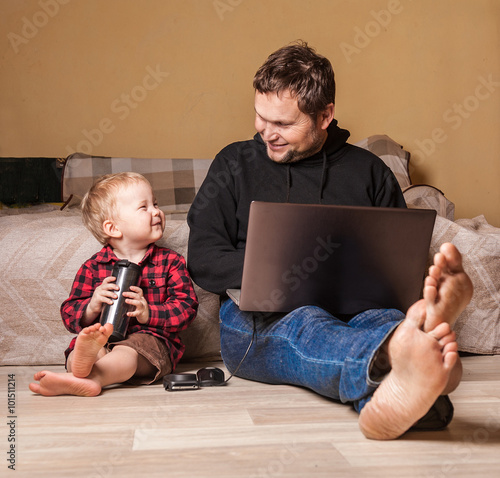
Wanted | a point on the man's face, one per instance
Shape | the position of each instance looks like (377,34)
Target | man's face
(289,134)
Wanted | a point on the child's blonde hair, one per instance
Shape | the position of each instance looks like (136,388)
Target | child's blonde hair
(99,203)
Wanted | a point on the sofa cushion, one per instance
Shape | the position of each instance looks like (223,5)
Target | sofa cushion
(41,254)
(392,154)
(478,326)
(423,196)
(202,337)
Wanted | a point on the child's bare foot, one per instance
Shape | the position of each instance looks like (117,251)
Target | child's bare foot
(52,384)
(447,288)
(88,344)
(422,364)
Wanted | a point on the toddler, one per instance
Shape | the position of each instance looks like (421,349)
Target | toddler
(122,213)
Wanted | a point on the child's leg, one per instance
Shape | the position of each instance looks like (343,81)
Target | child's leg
(89,348)
(119,365)
(65,383)
(115,367)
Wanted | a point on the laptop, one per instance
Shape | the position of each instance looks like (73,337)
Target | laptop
(344,259)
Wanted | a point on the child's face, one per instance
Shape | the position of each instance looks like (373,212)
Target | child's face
(139,218)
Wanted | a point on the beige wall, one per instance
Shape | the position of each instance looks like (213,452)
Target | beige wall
(172,78)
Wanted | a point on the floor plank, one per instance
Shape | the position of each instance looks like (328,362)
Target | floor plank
(245,429)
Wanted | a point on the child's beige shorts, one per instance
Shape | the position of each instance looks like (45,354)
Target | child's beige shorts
(153,349)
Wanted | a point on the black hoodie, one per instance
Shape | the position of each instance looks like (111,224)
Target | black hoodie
(242,172)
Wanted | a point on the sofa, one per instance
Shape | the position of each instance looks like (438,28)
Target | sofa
(42,247)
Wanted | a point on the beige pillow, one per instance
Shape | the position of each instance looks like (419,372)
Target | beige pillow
(41,254)
(202,337)
(423,196)
(478,327)
(392,154)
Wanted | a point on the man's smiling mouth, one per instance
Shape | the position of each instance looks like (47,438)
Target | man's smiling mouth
(276,147)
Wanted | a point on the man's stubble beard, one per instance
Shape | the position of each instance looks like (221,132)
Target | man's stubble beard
(293,156)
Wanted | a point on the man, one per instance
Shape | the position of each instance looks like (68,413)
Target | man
(394,370)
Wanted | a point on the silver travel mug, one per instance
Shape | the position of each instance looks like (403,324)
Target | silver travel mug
(127,273)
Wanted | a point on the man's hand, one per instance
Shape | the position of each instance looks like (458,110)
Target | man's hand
(135,297)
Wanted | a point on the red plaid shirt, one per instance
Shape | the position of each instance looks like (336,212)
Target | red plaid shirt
(167,288)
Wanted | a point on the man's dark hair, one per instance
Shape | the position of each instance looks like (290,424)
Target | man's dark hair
(297,68)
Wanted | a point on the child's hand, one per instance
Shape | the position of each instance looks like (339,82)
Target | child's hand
(104,294)
(135,297)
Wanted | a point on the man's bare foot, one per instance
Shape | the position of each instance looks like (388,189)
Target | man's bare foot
(88,344)
(422,364)
(447,288)
(52,384)
(447,340)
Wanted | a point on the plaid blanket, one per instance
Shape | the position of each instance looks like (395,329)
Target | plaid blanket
(174,181)
(177,180)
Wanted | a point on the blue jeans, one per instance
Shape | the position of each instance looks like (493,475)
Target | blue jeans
(308,347)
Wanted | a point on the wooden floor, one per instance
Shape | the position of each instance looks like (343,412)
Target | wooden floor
(244,429)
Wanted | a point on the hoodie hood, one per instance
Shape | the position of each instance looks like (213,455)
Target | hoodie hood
(336,140)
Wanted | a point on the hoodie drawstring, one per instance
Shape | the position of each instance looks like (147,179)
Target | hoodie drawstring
(321,185)
(323,178)
(288,182)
